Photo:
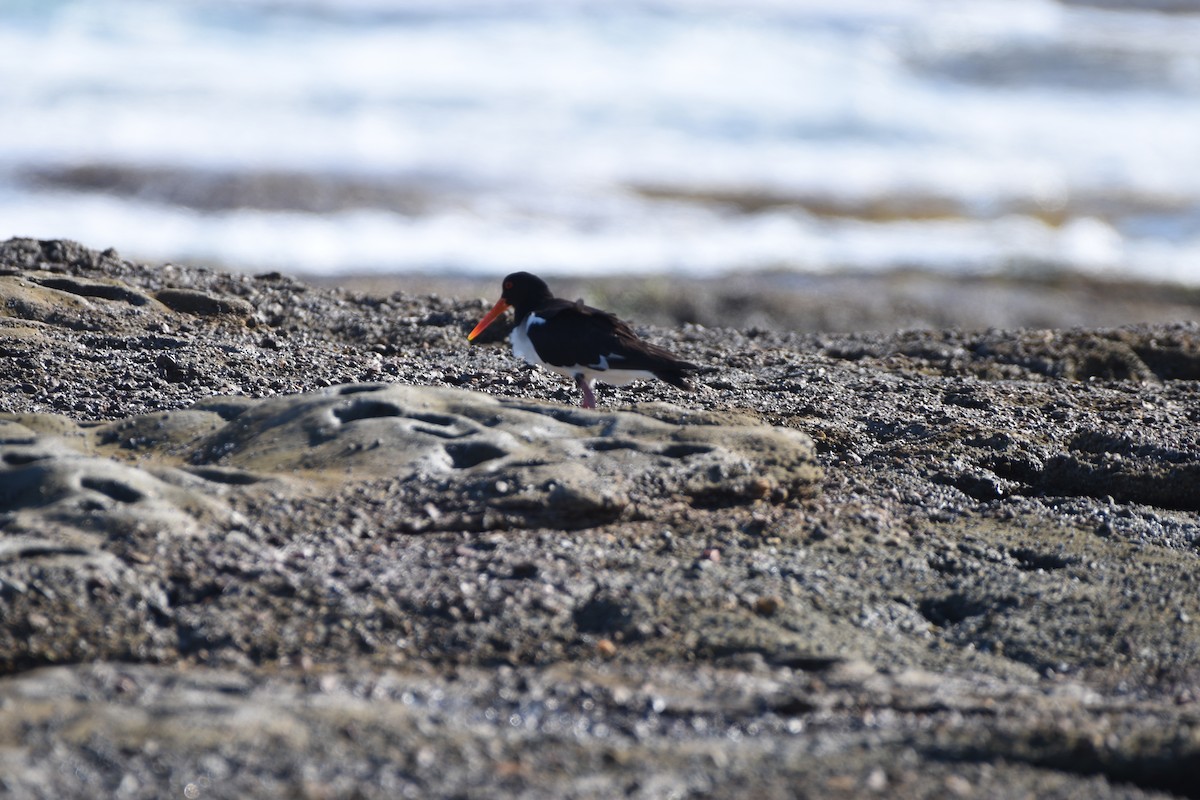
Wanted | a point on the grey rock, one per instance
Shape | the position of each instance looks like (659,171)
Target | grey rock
(47,484)
(585,468)
(205,304)
(574,459)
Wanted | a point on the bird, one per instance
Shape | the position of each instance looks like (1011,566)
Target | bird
(578,341)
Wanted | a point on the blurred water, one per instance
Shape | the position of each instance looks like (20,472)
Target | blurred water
(697,136)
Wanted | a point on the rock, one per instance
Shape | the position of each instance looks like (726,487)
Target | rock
(768,605)
(204,304)
(21,298)
(102,289)
(48,484)
(583,469)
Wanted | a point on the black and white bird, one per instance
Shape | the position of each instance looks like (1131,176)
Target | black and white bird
(578,341)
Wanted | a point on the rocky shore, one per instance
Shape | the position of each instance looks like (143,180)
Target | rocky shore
(263,538)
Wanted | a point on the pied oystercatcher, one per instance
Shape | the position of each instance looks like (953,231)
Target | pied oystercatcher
(579,341)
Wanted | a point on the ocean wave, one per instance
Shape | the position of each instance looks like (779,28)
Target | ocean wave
(706,135)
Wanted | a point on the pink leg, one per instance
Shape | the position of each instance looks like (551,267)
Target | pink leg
(589,397)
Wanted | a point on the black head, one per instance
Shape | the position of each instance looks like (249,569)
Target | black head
(521,292)
(524,292)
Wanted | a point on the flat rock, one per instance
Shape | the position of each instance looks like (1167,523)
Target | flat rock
(546,455)
(48,483)
(205,304)
(481,452)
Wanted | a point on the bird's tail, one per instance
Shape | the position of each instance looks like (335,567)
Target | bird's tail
(677,376)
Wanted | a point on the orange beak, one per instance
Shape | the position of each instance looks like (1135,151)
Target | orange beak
(498,309)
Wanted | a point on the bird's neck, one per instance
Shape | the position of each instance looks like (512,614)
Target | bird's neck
(529,305)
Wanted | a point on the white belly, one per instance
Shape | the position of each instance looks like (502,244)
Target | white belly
(522,347)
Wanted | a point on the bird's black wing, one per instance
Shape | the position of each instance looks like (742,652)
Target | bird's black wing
(576,334)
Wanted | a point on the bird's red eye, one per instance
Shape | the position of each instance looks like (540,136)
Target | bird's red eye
(508,284)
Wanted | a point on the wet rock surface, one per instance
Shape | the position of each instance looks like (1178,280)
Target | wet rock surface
(263,538)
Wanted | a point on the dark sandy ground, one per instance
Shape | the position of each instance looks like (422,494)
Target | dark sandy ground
(264,538)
